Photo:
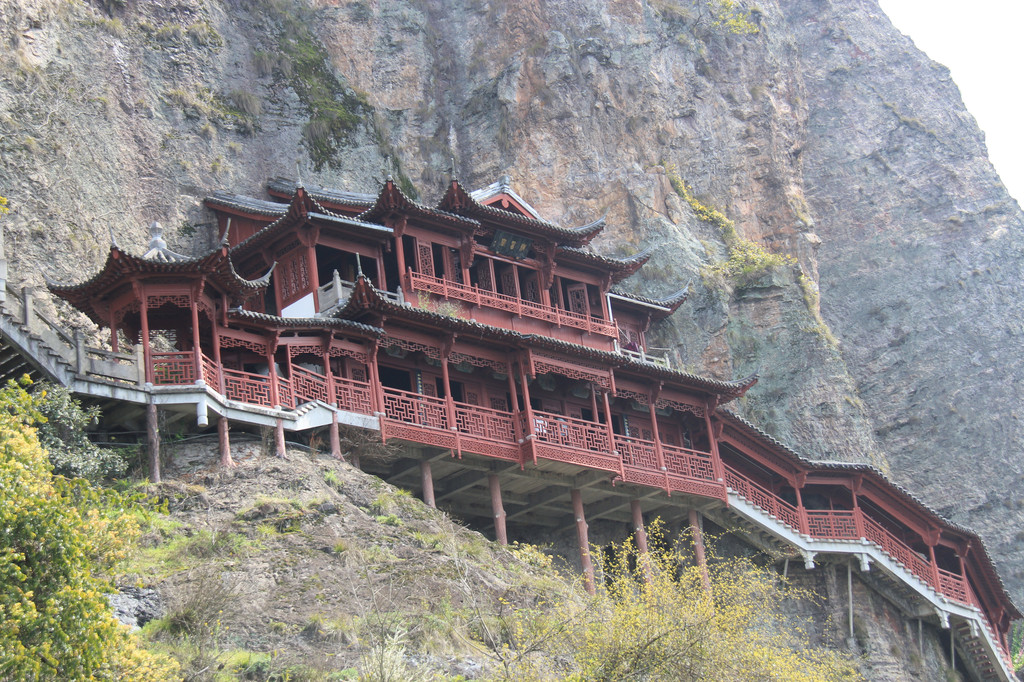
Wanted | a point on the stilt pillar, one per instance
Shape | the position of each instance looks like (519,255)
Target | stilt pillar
(279,438)
(153,437)
(583,541)
(500,533)
(428,484)
(224,443)
(640,536)
(335,436)
(698,548)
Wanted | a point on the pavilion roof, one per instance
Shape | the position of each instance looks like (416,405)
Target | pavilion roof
(308,323)
(661,306)
(216,267)
(302,209)
(392,200)
(365,297)
(458,200)
(285,187)
(244,204)
(620,268)
(503,186)
(884,482)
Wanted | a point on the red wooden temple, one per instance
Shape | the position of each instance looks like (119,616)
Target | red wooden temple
(497,346)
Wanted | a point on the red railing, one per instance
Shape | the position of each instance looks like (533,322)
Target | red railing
(689,463)
(764,499)
(285,394)
(637,453)
(174,368)
(832,524)
(354,396)
(211,373)
(517,306)
(246,387)
(308,385)
(486,423)
(899,551)
(568,432)
(412,408)
(954,586)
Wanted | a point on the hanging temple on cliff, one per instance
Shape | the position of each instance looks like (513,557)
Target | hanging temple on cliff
(495,348)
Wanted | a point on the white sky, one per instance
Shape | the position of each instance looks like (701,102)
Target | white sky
(982,43)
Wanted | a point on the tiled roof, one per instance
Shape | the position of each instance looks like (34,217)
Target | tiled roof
(305,322)
(288,186)
(274,209)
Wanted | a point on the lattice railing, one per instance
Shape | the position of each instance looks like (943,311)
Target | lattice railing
(689,463)
(570,433)
(492,299)
(483,422)
(637,453)
(286,393)
(954,586)
(246,387)
(764,499)
(899,551)
(832,524)
(413,408)
(354,396)
(174,368)
(211,373)
(308,385)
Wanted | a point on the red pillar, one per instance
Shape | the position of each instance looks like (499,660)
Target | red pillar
(716,458)
(583,541)
(500,534)
(153,436)
(147,353)
(224,443)
(275,396)
(428,484)
(611,432)
(217,358)
(529,435)
(197,352)
(335,436)
(640,535)
(698,549)
(279,438)
(659,454)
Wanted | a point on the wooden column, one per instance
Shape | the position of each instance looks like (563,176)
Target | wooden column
(716,457)
(529,435)
(275,396)
(698,549)
(640,535)
(611,432)
(858,515)
(659,454)
(197,352)
(113,332)
(335,436)
(376,390)
(449,402)
(217,358)
(583,540)
(801,511)
(153,437)
(332,395)
(428,484)
(279,446)
(935,565)
(500,533)
(147,352)
(513,396)
(224,443)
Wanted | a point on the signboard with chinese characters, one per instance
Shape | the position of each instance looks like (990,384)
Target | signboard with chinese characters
(512,245)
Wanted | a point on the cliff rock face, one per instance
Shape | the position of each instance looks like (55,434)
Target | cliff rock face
(825,136)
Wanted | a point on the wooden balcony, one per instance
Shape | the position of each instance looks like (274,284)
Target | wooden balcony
(482,298)
(494,433)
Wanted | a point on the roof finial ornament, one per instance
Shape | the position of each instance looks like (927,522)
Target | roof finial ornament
(227,232)
(359,267)
(455,175)
(298,173)
(156,239)
(113,239)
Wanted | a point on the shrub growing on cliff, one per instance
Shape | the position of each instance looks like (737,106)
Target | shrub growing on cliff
(56,536)
(61,432)
(658,618)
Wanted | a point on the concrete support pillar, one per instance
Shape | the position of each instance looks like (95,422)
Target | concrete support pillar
(335,436)
(153,437)
(698,548)
(584,541)
(279,448)
(428,484)
(224,443)
(500,533)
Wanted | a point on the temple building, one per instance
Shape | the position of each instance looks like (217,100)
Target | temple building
(500,351)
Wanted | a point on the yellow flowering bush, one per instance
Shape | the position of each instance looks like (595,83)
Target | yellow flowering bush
(57,536)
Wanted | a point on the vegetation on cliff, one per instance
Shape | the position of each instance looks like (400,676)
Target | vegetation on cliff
(60,537)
